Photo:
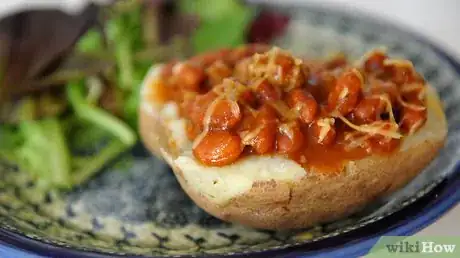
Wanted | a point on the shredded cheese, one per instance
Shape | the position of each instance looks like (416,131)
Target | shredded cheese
(359,75)
(272,68)
(343,94)
(410,105)
(398,63)
(235,108)
(252,110)
(247,137)
(379,50)
(199,138)
(257,83)
(326,126)
(294,77)
(177,67)
(411,87)
(356,139)
(298,107)
(229,88)
(375,128)
(389,107)
(283,110)
(415,127)
(286,129)
(265,66)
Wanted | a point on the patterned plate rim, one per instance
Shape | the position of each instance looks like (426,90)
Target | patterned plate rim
(21,241)
(430,212)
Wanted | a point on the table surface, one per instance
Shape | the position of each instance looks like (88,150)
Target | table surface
(438,21)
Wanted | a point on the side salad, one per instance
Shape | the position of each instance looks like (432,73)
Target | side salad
(64,126)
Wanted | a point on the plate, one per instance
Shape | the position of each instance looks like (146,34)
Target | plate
(136,207)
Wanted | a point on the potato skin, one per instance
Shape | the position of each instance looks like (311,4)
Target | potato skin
(314,199)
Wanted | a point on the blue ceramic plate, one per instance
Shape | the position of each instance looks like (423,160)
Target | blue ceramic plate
(136,207)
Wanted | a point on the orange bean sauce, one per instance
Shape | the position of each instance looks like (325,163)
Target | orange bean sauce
(315,113)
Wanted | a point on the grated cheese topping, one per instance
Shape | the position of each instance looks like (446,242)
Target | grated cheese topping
(375,128)
(410,105)
(388,106)
(414,87)
(286,129)
(247,137)
(326,125)
(398,63)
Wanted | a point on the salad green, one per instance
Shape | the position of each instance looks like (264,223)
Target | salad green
(49,131)
(223,24)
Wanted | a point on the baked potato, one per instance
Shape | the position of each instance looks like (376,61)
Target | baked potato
(274,188)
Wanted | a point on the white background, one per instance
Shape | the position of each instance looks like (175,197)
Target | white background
(438,20)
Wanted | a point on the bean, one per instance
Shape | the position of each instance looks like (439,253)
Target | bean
(199,106)
(266,115)
(289,138)
(264,142)
(267,92)
(217,71)
(368,110)
(402,75)
(375,62)
(412,120)
(345,95)
(304,103)
(218,148)
(226,115)
(188,76)
(323,131)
